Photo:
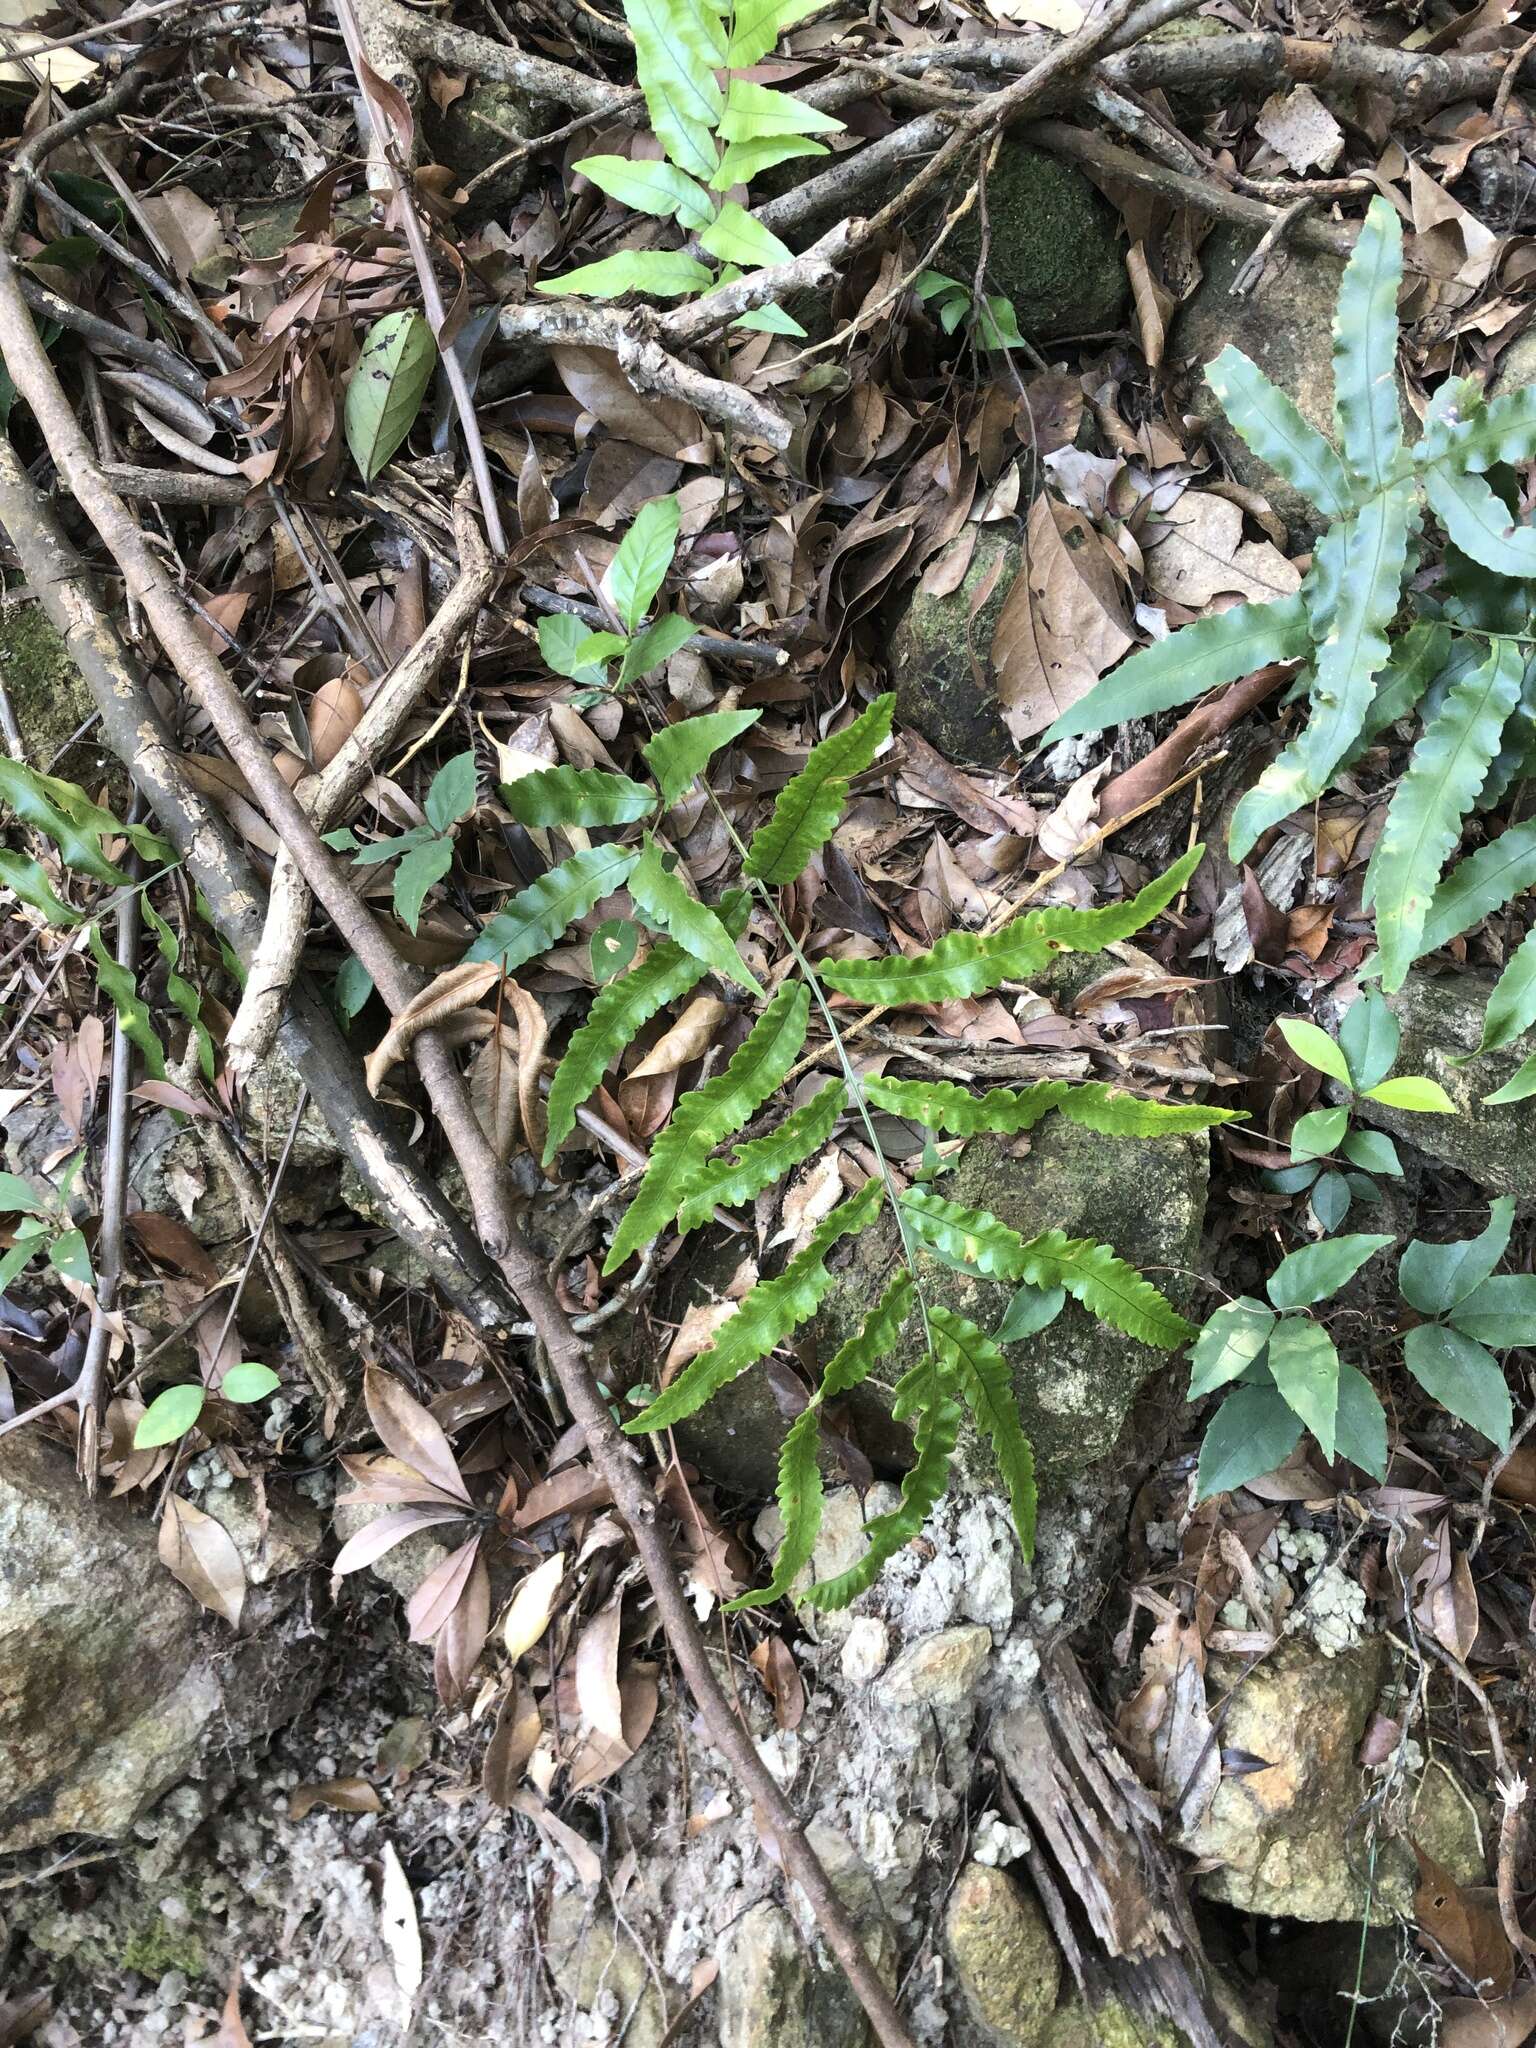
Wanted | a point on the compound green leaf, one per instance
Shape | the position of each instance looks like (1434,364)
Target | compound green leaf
(1481,884)
(1361,1432)
(1318,1270)
(972,1363)
(663,902)
(659,273)
(1251,1433)
(1512,1006)
(1480,523)
(946,1106)
(1233,1339)
(28,880)
(1214,650)
(577,796)
(1417,659)
(1274,429)
(807,809)
(1503,431)
(678,753)
(970,1240)
(1501,1312)
(133,1018)
(1090,931)
(753,111)
(1462,1376)
(1365,349)
(451,795)
(1107,1287)
(728,1183)
(735,236)
(385,391)
(1312,1044)
(709,1114)
(765,1318)
(533,921)
(653,187)
(743,160)
(418,870)
(679,45)
(961,964)
(1305,1369)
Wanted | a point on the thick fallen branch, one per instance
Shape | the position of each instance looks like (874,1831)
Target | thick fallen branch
(386,25)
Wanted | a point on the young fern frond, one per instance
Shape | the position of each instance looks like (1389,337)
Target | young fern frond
(1096,1276)
(728,1183)
(1365,350)
(1493,875)
(577,796)
(970,1240)
(808,808)
(979,1373)
(665,905)
(1270,423)
(533,921)
(946,1106)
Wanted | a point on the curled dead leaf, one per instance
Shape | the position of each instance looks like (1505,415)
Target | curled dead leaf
(201,1553)
(456,990)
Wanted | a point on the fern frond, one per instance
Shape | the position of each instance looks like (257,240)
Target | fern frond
(799,1480)
(1481,884)
(1417,659)
(536,916)
(1512,1006)
(1275,430)
(1424,821)
(577,796)
(945,1106)
(659,896)
(765,1318)
(709,1114)
(728,1183)
(970,1240)
(979,1371)
(1365,349)
(1090,931)
(961,964)
(1199,657)
(1480,523)
(619,1011)
(1366,554)
(1502,431)
(807,810)
(925,1392)
(1107,1287)
(679,753)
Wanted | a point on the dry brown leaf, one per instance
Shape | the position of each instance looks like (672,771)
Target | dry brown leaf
(666,426)
(513,1740)
(1072,822)
(597,1671)
(776,1667)
(566,1493)
(696,1332)
(334,711)
(493,1091)
(1469,2023)
(532,1038)
(384,1532)
(461,1636)
(1464,1922)
(232,2032)
(689,1039)
(412,1433)
(198,1551)
(454,991)
(441,1591)
(345,1795)
(812,1196)
(1063,622)
(1301,129)
(1198,553)
(583,1858)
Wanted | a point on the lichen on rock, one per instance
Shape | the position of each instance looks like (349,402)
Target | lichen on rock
(940,662)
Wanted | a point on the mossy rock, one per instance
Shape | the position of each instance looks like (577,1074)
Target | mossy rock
(474,134)
(1006,1964)
(49,697)
(940,660)
(1055,247)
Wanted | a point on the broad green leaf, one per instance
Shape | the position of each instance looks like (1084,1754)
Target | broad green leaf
(133,1018)
(961,964)
(1318,1133)
(1276,432)
(756,25)
(1313,1045)
(1107,1287)
(535,918)
(1090,931)
(735,236)
(1351,652)
(577,796)
(1481,884)
(1463,1377)
(728,1183)
(601,647)
(977,1369)
(43,802)
(1233,1339)
(1290,1180)
(753,111)
(169,1416)
(933,284)
(927,1393)
(644,556)
(1374,1152)
(385,391)
(770,319)
(1031,1310)
(661,899)
(1361,1427)
(1433,1278)
(1318,1270)
(619,1012)
(743,160)
(969,1240)
(1417,659)
(1423,822)
(28,880)
(560,635)
(1251,1433)
(22,1252)
(946,1106)
(659,273)
(390,849)
(764,1319)
(1331,1199)
(353,987)
(1365,349)
(611,947)
(18,1197)
(658,643)
(1500,1313)
(649,187)
(1480,523)
(1369,1038)
(451,795)
(807,809)
(679,46)
(1520,1086)
(421,867)
(1305,1369)
(1412,1091)
(707,1115)
(1512,1006)
(249,1381)
(997,324)
(678,753)
(1214,650)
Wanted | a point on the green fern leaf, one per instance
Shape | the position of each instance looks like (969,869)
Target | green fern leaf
(970,1240)
(961,964)
(577,796)
(42,802)
(711,1113)
(808,808)
(945,1106)
(979,1371)
(133,1018)
(925,1392)
(1503,431)
(187,999)
(765,1318)
(1367,555)
(1520,1086)
(533,921)
(665,905)
(1417,659)
(1277,433)
(679,45)
(1481,884)
(1512,1006)
(1090,931)
(799,1480)
(1214,650)
(619,1011)
(679,753)
(727,1183)
(1107,1287)
(1480,523)
(1424,820)
(1365,349)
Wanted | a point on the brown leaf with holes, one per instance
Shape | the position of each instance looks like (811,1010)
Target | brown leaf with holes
(1464,1922)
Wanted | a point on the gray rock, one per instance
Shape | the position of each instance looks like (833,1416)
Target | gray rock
(1006,1963)
(1442,1020)
(940,662)
(1055,246)
(599,1970)
(50,699)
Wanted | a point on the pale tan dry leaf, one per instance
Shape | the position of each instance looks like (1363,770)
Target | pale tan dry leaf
(412,1433)
(493,1091)
(1301,129)
(532,1038)
(1072,822)
(666,426)
(1065,16)
(531,1607)
(345,1795)
(696,1332)
(334,711)
(776,1667)
(513,1741)
(63,69)
(1450,244)
(1198,553)
(440,1591)
(689,1039)
(399,1927)
(814,1193)
(1470,2023)
(1153,304)
(382,1534)
(1063,622)
(582,1856)
(461,1634)
(455,990)
(598,1757)
(566,1493)
(597,1671)
(195,1549)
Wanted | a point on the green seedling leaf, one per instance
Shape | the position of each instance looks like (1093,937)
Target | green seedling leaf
(1331,1198)
(734,236)
(657,273)
(1412,1091)
(423,865)
(1433,1278)
(649,187)
(1463,1377)
(1360,1433)
(644,556)
(1031,1310)
(1233,1339)
(1305,1369)
(1313,1045)
(169,1417)
(614,944)
(1368,1038)
(451,795)
(1251,1433)
(385,391)
(1501,1313)
(1373,1152)
(1318,1133)
(250,1381)
(560,636)
(1318,1270)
